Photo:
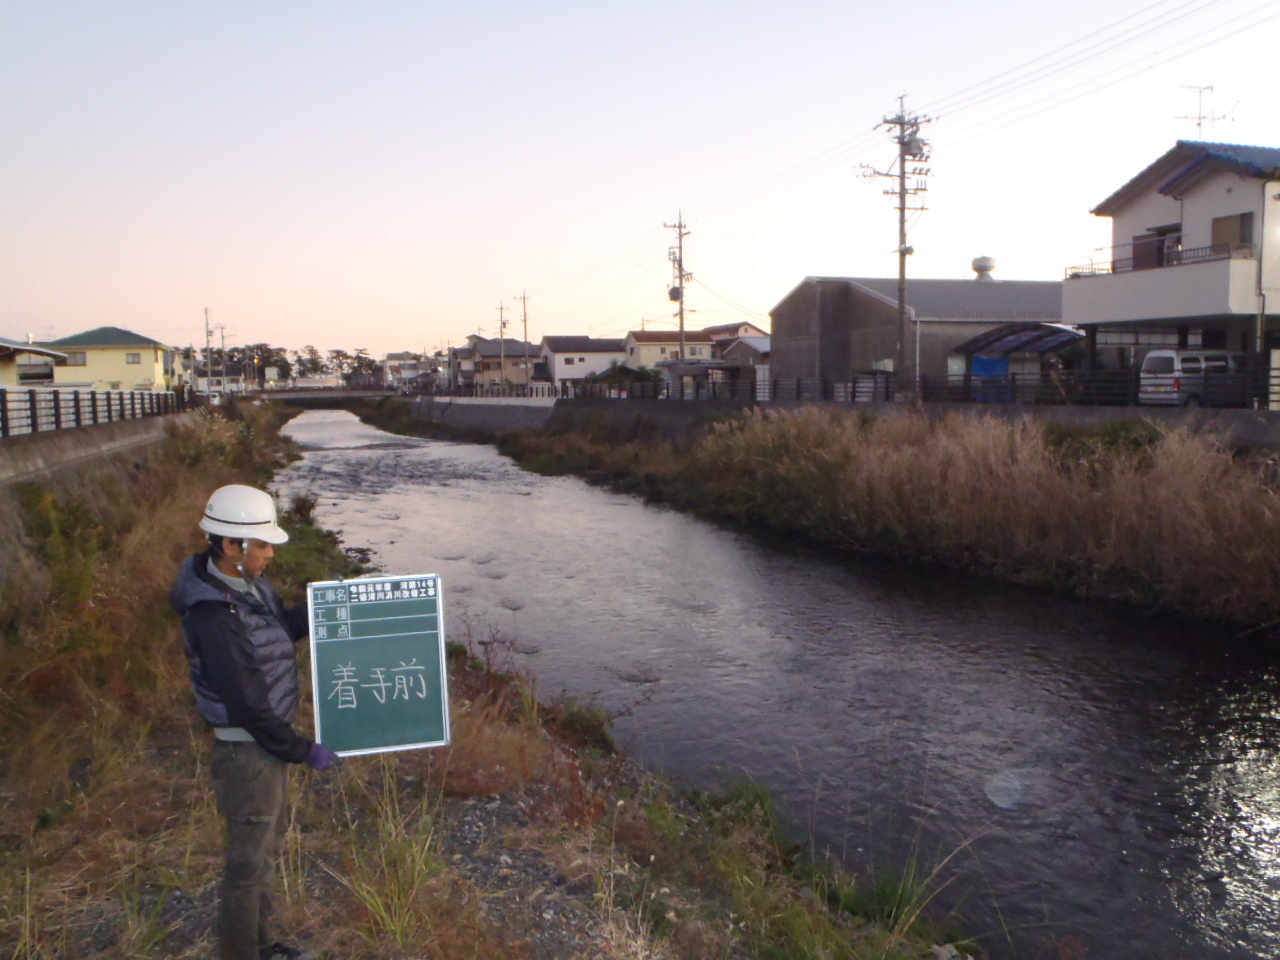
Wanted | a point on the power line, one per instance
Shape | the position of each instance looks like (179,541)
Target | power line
(957,102)
(1008,84)
(737,306)
(1040,106)
(977,94)
(979,129)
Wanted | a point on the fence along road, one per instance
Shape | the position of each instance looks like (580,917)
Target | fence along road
(41,410)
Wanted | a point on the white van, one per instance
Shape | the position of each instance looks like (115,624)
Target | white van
(1194,378)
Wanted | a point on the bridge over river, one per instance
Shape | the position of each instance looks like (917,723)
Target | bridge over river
(326,395)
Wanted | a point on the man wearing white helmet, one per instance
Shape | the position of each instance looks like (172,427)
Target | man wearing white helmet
(240,644)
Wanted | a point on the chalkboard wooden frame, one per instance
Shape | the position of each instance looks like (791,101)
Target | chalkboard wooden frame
(422,719)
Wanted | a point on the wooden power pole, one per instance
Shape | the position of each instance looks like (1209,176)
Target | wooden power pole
(524,316)
(914,151)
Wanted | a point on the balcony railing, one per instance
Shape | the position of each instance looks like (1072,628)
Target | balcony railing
(1160,255)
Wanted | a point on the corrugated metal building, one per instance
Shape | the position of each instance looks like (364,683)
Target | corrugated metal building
(836,327)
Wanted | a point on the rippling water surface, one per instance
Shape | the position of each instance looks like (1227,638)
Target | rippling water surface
(1091,775)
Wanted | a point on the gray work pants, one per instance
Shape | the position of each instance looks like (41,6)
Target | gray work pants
(252,788)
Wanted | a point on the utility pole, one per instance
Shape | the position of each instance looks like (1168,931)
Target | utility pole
(222,380)
(524,316)
(502,341)
(679,276)
(208,356)
(905,132)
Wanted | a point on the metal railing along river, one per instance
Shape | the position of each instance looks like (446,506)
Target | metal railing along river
(1090,388)
(42,409)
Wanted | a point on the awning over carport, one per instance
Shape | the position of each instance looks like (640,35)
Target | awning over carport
(9,348)
(1040,338)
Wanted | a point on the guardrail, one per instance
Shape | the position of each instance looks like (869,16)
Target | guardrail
(25,410)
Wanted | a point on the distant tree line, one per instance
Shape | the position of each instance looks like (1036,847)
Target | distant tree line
(255,358)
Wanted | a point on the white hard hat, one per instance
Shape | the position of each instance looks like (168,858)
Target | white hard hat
(242,513)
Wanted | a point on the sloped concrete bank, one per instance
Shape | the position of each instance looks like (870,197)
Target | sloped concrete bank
(35,455)
(671,419)
(487,415)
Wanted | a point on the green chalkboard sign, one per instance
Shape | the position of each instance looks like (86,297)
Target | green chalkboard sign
(378,664)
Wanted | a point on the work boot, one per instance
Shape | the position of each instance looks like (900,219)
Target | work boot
(286,951)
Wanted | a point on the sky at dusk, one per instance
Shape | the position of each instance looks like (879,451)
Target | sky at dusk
(383,175)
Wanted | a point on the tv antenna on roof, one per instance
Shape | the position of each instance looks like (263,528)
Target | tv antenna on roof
(1211,118)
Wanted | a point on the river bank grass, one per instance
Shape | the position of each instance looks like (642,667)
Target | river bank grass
(527,837)
(1162,519)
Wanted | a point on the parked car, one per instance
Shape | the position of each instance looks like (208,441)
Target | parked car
(1195,378)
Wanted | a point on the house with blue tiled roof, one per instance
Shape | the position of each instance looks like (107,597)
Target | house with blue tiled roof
(1194,260)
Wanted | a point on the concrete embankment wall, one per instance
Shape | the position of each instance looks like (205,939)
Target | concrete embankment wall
(488,415)
(35,455)
(671,419)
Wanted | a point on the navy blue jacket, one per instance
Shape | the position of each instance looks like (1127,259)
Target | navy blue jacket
(243,659)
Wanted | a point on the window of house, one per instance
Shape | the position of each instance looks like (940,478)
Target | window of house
(77,359)
(1232,232)
(113,385)
(631,351)
(582,359)
(1158,248)
(568,361)
(133,358)
(663,349)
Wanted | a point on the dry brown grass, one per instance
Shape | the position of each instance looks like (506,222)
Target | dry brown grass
(1165,519)
(110,842)
(489,753)
(1175,522)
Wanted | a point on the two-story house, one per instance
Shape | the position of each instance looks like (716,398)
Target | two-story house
(573,359)
(490,362)
(726,333)
(648,348)
(112,358)
(1194,260)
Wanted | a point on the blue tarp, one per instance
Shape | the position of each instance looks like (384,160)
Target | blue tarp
(990,366)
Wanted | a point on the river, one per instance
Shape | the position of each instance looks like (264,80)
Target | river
(1094,777)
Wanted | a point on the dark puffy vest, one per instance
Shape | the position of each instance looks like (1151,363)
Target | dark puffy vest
(273,648)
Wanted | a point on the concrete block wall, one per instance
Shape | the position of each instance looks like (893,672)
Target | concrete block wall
(34,455)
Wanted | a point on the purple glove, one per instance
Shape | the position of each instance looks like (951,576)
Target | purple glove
(321,757)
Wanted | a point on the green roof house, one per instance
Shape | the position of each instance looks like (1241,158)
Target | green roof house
(112,358)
